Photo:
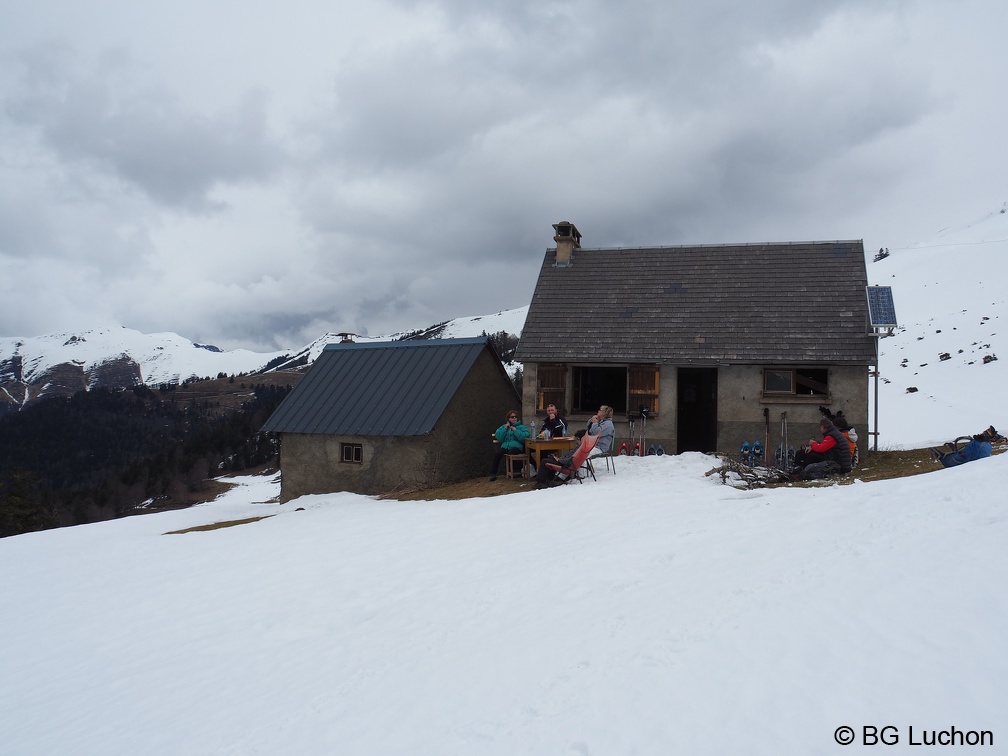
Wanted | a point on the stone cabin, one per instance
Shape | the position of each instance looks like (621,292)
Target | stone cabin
(374,417)
(715,342)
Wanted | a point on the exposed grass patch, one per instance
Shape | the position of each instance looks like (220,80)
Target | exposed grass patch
(217,525)
(473,488)
(880,465)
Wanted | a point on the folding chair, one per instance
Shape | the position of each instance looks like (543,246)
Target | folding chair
(572,470)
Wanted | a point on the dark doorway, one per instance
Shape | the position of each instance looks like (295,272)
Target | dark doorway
(696,414)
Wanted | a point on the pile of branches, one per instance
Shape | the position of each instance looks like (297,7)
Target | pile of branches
(740,475)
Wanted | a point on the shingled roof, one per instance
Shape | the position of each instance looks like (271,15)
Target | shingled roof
(797,302)
(389,388)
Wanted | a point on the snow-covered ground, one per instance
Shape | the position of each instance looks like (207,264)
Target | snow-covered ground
(653,612)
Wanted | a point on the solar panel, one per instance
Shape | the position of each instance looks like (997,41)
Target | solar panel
(881,310)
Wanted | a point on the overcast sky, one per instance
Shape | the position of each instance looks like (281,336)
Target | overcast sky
(254,177)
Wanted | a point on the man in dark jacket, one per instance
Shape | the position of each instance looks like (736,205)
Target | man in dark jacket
(831,456)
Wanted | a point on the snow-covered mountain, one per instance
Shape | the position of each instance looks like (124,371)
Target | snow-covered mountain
(939,374)
(63,363)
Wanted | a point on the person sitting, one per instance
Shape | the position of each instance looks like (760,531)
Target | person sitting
(849,433)
(554,425)
(511,438)
(601,425)
(820,459)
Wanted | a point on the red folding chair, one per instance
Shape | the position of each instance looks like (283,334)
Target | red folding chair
(580,457)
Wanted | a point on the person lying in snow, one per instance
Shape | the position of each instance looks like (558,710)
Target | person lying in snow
(966,449)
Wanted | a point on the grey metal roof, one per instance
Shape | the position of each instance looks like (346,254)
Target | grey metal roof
(795,302)
(392,388)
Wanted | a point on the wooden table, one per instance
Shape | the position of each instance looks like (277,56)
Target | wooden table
(541,446)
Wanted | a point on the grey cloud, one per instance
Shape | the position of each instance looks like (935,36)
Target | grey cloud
(140,133)
(411,171)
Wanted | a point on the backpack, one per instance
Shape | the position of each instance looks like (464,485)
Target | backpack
(851,436)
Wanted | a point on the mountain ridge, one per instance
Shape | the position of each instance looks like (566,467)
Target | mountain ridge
(62,363)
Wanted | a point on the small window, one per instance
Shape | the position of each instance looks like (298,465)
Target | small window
(796,381)
(353,453)
(778,381)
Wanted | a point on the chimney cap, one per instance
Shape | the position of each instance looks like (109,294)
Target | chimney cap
(567,230)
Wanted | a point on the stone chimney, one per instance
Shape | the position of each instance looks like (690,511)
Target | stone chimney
(567,239)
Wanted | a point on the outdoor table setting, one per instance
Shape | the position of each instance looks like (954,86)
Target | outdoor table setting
(543,446)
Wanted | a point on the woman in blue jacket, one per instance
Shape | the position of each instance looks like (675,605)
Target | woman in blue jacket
(511,439)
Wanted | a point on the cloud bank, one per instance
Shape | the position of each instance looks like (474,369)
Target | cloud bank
(253,178)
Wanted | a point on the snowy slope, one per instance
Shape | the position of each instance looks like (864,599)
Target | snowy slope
(950,299)
(653,612)
(511,321)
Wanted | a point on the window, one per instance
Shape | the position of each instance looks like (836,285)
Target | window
(644,392)
(595,386)
(796,381)
(552,387)
(353,453)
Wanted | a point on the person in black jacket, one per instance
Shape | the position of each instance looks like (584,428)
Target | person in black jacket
(554,424)
(819,459)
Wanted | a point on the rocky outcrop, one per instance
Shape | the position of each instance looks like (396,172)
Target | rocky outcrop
(64,379)
(12,370)
(121,372)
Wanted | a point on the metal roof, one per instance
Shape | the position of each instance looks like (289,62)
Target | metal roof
(389,388)
(790,302)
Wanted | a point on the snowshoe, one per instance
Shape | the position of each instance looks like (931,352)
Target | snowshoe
(651,450)
(757,453)
(744,452)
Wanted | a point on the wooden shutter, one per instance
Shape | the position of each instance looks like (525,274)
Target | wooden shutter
(643,389)
(552,387)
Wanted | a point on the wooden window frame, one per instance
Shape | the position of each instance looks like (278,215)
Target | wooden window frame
(352,453)
(802,382)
